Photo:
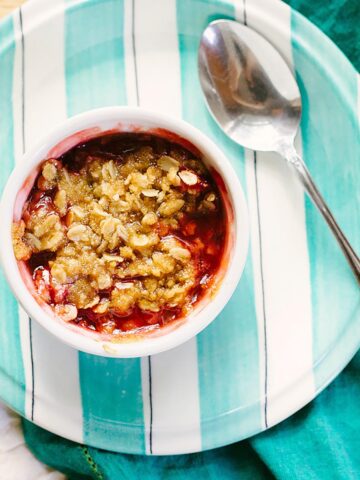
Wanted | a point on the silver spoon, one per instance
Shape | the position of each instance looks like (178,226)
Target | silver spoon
(253,96)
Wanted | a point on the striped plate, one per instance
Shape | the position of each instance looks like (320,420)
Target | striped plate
(294,321)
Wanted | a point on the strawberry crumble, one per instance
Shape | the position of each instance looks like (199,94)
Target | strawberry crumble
(123,233)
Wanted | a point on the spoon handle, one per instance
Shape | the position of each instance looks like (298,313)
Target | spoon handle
(297,162)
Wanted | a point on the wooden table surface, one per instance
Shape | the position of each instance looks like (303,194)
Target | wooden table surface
(6,6)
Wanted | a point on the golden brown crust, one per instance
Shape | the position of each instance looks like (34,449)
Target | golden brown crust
(108,227)
(21,249)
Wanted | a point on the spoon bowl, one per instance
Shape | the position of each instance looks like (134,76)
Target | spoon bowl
(254,102)
(253,96)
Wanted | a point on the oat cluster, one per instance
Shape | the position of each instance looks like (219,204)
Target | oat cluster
(112,229)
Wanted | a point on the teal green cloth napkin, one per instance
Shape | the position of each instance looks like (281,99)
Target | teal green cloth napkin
(321,442)
(338,19)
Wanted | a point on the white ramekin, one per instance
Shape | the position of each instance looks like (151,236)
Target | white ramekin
(89,125)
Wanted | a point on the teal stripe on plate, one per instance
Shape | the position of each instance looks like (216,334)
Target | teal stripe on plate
(12,376)
(331,148)
(228,351)
(94,54)
(95,77)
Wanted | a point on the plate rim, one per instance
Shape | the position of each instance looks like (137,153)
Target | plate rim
(42,11)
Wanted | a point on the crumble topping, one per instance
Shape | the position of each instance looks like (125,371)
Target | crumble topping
(122,227)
